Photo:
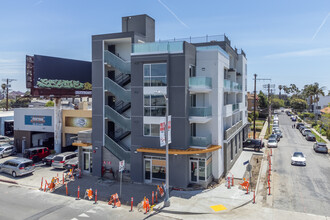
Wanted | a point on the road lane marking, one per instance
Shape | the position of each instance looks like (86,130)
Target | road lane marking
(83,215)
(218,208)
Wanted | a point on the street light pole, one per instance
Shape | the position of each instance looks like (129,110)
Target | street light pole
(167,194)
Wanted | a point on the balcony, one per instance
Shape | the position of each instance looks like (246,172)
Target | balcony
(230,109)
(157,48)
(231,86)
(200,142)
(230,131)
(200,84)
(200,114)
(235,107)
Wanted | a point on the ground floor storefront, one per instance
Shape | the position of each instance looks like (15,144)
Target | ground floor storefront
(186,170)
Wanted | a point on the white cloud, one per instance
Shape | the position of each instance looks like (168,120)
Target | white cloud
(302,53)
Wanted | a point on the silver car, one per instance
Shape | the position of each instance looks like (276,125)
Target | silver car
(18,167)
(59,160)
(272,142)
(7,150)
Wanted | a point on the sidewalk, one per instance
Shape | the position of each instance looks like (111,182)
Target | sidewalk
(200,202)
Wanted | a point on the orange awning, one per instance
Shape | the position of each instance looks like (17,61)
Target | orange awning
(81,144)
(174,151)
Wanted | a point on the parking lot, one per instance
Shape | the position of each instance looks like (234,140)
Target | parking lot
(300,188)
(32,180)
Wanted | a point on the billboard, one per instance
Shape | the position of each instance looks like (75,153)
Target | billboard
(79,122)
(38,120)
(58,77)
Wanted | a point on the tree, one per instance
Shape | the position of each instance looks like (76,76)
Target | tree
(277,103)
(286,89)
(49,104)
(298,104)
(294,89)
(280,87)
(263,100)
(3,87)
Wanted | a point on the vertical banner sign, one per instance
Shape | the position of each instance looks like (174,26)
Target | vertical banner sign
(169,129)
(162,132)
(121,169)
(121,165)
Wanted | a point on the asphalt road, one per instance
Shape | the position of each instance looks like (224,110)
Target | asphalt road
(297,188)
(30,204)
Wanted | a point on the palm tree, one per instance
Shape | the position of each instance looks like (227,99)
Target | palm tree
(314,91)
(280,87)
(3,87)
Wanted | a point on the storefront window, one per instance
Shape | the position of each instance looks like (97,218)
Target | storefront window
(202,169)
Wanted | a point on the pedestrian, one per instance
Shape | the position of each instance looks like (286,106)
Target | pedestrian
(294,125)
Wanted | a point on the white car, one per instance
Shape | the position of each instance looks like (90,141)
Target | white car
(298,158)
(272,143)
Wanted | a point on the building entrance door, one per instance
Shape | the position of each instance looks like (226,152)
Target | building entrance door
(147,170)
(194,171)
(86,162)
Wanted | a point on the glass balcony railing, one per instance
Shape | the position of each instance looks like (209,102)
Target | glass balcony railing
(200,111)
(200,82)
(158,47)
(235,107)
(200,141)
(232,86)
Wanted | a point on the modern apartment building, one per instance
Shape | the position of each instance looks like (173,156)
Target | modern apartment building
(204,80)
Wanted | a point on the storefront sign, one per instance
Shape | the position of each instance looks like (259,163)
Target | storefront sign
(79,122)
(38,120)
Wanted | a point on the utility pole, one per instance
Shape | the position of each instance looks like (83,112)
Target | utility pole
(269,109)
(7,90)
(254,106)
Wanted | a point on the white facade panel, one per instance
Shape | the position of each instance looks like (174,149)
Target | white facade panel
(23,115)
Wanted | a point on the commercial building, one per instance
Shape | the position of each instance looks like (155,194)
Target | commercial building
(7,123)
(204,80)
(34,127)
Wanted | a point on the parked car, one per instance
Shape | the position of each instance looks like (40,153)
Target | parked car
(298,158)
(18,167)
(71,164)
(306,131)
(278,132)
(289,113)
(253,143)
(7,150)
(60,159)
(299,124)
(293,118)
(310,137)
(320,147)
(272,142)
(301,128)
(36,153)
(48,160)
(275,136)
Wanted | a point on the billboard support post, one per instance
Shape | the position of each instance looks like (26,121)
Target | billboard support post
(57,125)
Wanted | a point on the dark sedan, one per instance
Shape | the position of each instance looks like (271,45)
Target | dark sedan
(48,160)
(310,137)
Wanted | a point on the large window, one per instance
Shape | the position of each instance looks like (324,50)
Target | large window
(155,74)
(154,105)
(151,130)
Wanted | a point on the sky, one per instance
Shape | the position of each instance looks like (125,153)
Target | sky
(285,41)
